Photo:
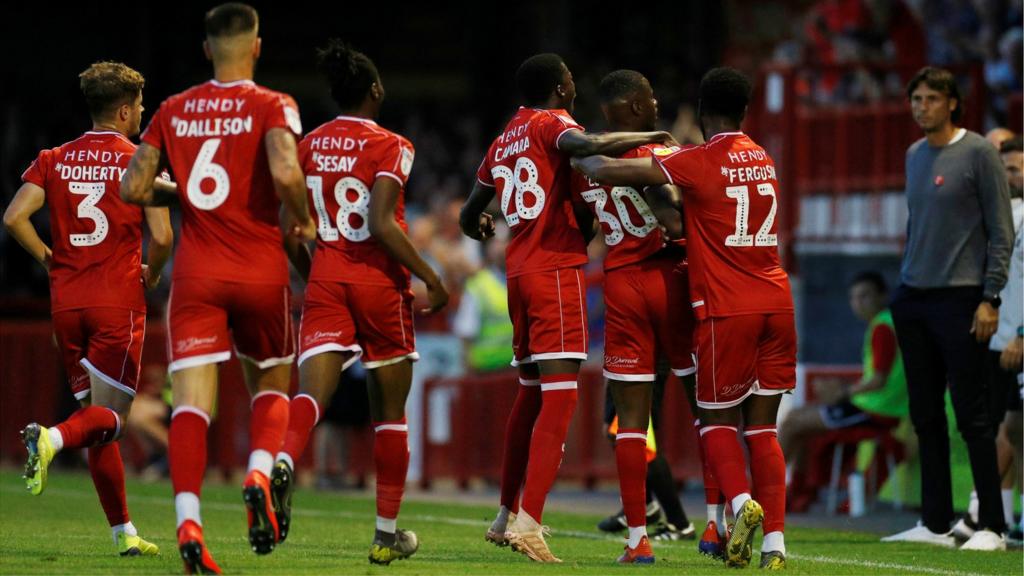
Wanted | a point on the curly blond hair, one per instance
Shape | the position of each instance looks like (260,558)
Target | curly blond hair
(108,85)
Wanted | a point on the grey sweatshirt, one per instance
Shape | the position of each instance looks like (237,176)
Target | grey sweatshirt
(960,231)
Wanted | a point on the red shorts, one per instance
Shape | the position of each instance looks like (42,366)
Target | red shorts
(549,316)
(373,322)
(103,342)
(206,315)
(742,355)
(647,315)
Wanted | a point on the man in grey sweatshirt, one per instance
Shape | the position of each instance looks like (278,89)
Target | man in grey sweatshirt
(959,239)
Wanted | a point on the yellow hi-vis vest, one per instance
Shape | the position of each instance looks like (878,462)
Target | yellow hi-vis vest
(492,348)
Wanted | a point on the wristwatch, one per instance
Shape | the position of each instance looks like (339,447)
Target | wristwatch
(994,301)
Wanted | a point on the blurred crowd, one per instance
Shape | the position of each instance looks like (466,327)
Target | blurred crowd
(859,47)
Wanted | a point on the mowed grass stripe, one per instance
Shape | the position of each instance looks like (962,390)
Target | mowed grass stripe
(333,533)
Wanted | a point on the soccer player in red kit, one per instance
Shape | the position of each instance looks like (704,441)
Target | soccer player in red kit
(232,144)
(645,279)
(746,339)
(529,160)
(358,298)
(97,281)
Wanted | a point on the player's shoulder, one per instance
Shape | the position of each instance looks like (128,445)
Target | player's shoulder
(559,116)
(271,95)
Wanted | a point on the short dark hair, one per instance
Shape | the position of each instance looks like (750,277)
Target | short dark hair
(1015,144)
(940,80)
(725,92)
(107,85)
(231,19)
(349,71)
(619,84)
(870,277)
(538,76)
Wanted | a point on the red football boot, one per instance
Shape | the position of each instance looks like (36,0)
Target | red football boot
(193,550)
(259,507)
(642,554)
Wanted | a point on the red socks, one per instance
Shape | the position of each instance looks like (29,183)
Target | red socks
(303,414)
(548,440)
(768,468)
(89,426)
(107,471)
(187,449)
(712,493)
(631,460)
(267,429)
(728,463)
(391,457)
(518,432)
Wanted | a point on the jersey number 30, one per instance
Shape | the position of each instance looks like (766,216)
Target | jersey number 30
(742,238)
(617,226)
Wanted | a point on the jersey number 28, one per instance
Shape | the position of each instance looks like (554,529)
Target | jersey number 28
(511,182)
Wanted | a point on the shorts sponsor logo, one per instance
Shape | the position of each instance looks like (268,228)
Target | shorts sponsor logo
(190,344)
(318,336)
(734,389)
(620,361)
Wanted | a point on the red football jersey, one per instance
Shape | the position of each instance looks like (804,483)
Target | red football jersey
(213,136)
(630,229)
(341,160)
(730,194)
(97,238)
(535,193)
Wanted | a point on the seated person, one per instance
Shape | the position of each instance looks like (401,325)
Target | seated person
(878,399)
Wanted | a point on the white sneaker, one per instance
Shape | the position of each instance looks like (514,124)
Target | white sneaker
(985,541)
(923,535)
(964,529)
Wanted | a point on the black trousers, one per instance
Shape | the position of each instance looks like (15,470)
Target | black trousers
(933,330)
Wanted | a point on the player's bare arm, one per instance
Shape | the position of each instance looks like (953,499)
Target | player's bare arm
(140,184)
(621,171)
(579,143)
(296,249)
(161,241)
(27,201)
(383,227)
(290,184)
(586,221)
(666,202)
(474,221)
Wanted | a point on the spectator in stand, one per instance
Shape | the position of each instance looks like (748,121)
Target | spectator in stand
(482,320)
(959,238)
(878,399)
(1003,70)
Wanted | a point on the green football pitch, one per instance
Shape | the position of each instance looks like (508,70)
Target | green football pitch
(64,532)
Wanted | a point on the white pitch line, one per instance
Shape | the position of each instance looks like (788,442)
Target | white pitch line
(223,506)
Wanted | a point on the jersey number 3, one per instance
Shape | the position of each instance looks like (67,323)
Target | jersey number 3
(741,238)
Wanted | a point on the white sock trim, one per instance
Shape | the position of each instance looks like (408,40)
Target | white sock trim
(635,534)
(287,459)
(525,382)
(259,395)
(56,438)
(117,423)
(262,461)
(395,427)
(707,429)
(192,410)
(186,504)
(128,528)
(388,525)
(747,434)
(1008,507)
(551,386)
(631,436)
(773,542)
(738,502)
